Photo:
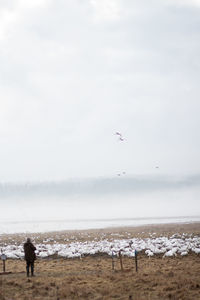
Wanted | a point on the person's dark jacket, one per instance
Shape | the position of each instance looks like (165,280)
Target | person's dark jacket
(29,251)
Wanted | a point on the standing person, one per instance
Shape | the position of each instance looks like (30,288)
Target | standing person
(29,250)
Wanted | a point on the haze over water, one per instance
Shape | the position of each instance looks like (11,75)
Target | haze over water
(98,203)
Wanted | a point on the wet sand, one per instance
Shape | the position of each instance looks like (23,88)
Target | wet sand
(93,277)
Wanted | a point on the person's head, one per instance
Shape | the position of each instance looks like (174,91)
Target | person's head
(28,240)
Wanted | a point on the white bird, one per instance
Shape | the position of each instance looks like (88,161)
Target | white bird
(118,133)
(121,138)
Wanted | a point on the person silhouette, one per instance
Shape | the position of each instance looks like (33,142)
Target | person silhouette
(29,250)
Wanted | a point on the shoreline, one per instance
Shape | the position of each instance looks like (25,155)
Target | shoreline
(122,232)
(49,226)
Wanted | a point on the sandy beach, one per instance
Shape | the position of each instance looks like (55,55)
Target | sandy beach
(92,276)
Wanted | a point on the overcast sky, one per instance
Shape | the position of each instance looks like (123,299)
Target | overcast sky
(73,72)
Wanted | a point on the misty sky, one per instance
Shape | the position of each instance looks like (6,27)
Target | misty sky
(73,72)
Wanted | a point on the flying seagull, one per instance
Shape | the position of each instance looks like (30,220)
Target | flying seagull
(118,133)
(120,136)
(123,173)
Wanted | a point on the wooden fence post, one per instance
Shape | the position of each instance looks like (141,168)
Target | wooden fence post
(113,264)
(120,257)
(136,262)
(3,258)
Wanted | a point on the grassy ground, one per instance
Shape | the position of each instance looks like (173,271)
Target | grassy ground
(93,278)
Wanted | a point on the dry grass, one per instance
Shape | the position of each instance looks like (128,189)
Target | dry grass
(93,278)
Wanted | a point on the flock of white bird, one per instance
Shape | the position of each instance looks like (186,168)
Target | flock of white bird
(175,245)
